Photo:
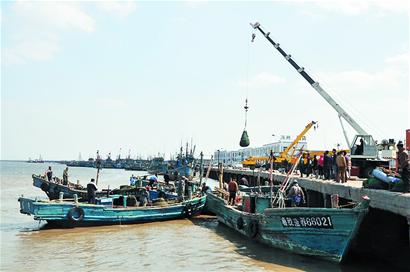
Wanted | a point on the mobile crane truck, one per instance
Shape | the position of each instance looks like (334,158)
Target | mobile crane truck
(364,152)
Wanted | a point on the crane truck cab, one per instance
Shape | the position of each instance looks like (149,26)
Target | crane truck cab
(367,154)
(364,146)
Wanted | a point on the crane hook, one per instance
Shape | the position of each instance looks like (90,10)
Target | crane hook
(253,37)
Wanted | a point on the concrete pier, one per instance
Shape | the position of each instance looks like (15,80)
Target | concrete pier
(397,203)
(385,231)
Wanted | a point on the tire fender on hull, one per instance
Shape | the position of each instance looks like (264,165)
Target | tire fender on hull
(76,214)
(253,228)
(240,223)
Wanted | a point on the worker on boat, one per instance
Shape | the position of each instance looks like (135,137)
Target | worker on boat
(404,167)
(244,181)
(143,197)
(205,189)
(166,178)
(65,176)
(181,188)
(296,194)
(133,180)
(91,191)
(233,189)
(49,174)
(153,180)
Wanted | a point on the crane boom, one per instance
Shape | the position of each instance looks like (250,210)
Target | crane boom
(342,113)
(284,153)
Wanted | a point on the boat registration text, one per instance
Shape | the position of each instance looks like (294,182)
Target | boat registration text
(322,222)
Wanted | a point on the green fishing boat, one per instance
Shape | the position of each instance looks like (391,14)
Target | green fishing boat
(326,233)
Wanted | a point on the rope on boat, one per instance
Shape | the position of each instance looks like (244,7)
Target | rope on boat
(279,199)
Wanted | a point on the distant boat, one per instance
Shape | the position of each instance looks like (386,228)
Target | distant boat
(158,166)
(72,214)
(326,233)
(39,160)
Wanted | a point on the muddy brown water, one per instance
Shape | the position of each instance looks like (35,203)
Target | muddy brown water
(198,244)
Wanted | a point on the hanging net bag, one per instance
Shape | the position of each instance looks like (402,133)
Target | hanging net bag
(245,138)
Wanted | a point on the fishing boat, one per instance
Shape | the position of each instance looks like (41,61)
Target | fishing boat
(54,188)
(107,211)
(158,166)
(326,233)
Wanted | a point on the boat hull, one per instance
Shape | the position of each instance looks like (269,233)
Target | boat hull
(53,189)
(72,214)
(320,232)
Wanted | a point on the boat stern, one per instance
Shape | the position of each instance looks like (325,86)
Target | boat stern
(26,205)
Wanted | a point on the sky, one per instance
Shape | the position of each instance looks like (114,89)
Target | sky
(142,77)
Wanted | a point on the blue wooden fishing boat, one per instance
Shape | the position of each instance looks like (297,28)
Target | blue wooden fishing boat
(72,214)
(55,187)
(321,232)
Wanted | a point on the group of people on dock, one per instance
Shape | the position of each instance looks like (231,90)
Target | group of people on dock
(329,165)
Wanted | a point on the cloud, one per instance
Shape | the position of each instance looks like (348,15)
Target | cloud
(354,7)
(122,9)
(34,29)
(264,79)
(57,15)
(399,59)
(34,49)
(393,75)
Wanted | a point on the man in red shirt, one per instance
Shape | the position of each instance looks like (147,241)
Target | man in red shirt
(232,188)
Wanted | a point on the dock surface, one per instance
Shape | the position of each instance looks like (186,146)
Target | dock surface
(394,202)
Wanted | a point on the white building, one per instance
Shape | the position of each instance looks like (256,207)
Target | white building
(236,156)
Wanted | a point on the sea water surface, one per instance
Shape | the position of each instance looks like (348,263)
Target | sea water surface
(198,244)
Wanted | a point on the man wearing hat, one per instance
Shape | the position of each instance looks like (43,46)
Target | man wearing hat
(296,194)
(403,161)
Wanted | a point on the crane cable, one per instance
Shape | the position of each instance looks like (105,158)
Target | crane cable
(247,79)
(244,142)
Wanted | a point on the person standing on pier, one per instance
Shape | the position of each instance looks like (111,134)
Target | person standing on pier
(327,165)
(233,189)
(65,176)
(404,167)
(348,163)
(49,174)
(334,170)
(320,165)
(315,166)
(302,165)
(341,165)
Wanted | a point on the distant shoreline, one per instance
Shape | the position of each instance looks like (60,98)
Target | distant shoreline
(59,161)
